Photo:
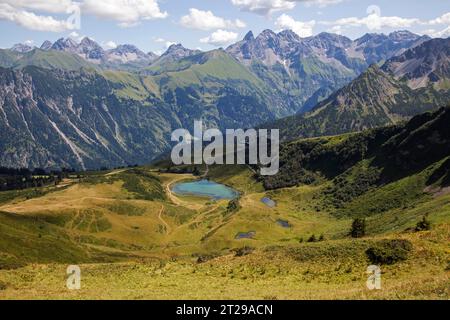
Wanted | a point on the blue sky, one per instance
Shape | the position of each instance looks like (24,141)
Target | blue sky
(206,24)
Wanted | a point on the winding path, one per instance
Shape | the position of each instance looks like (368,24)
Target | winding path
(163,221)
(177,201)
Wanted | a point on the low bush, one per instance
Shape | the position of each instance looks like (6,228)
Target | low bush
(423,225)
(244,251)
(389,251)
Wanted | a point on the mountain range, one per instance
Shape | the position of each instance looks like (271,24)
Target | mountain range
(413,82)
(78,105)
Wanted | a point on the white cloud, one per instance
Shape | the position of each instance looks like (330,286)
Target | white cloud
(444,19)
(267,7)
(29,42)
(263,7)
(220,38)
(206,20)
(376,22)
(110,45)
(373,21)
(33,21)
(169,43)
(76,36)
(438,34)
(303,29)
(335,29)
(127,12)
(443,33)
(320,3)
(52,6)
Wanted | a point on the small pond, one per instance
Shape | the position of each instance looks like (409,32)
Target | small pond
(205,188)
(245,235)
(283,223)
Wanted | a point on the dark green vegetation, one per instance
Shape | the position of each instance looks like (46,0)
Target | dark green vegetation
(358,228)
(343,202)
(315,243)
(19,179)
(380,96)
(377,170)
(92,108)
(91,119)
(389,251)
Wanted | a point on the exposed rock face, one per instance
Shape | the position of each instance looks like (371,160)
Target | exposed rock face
(422,65)
(21,48)
(412,83)
(174,53)
(67,105)
(55,119)
(122,57)
(46,45)
(84,120)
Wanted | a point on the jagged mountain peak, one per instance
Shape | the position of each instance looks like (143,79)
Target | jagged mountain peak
(88,43)
(249,36)
(21,48)
(46,45)
(174,53)
(127,48)
(426,63)
(90,49)
(327,40)
(175,46)
(370,37)
(65,44)
(403,35)
(178,51)
(266,34)
(289,35)
(129,53)
(87,40)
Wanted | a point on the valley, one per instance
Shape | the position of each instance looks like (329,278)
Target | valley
(363,180)
(136,239)
(76,105)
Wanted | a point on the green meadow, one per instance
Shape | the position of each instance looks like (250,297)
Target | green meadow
(133,238)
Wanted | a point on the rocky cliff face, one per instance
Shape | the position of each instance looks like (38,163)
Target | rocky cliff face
(87,119)
(57,119)
(422,65)
(414,82)
(127,57)
(67,105)
(307,70)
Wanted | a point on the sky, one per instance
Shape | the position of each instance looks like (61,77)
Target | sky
(153,25)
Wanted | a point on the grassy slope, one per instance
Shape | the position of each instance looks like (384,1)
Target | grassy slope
(53,59)
(129,230)
(127,223)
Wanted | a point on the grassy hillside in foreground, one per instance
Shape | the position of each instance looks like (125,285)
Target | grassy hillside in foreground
(183,247)
(135,238)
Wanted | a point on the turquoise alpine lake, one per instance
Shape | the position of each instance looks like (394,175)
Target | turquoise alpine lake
(205,188)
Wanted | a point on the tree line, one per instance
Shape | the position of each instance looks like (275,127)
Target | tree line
(23,178)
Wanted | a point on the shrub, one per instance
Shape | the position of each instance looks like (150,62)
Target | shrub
(389,251)
(202,258)
(196,172)
(233,206)
(312,239)
(240,252)
(358,228)
(423,225)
